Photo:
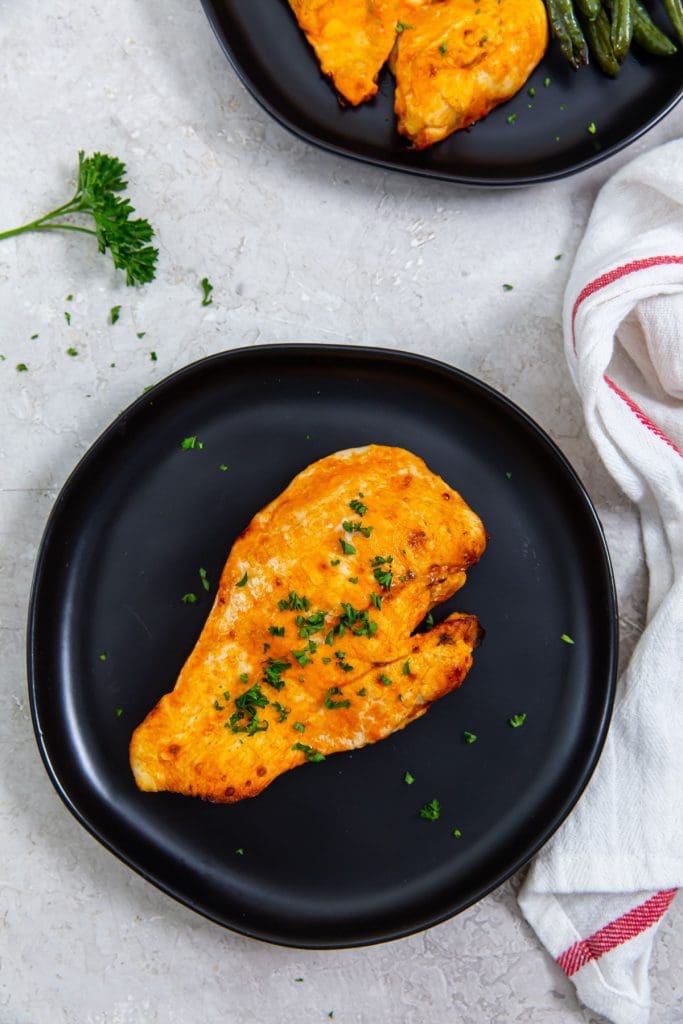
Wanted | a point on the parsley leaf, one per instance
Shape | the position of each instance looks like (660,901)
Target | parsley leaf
(358,507)
(299,726)
(431,811)
(311,753)
(457,833)
(406,668)
(205,582)
(385,680)
(517,720)
(469,737)
(114,314)
(567,639)
(282,711)
(190,443)
(347,548)
(243,581)
(207,288)
(100,178)
(272,672)
(294,603)
(189,598)
(276,630)
(408,779)
(246,711)
(334,705)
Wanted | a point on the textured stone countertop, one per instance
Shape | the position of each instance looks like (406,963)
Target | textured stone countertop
(299,245)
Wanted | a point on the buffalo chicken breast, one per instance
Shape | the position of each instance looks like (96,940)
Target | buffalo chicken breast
(310,646)
(455,60)
(352,40)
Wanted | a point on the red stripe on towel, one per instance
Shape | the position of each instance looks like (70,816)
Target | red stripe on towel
(616,932)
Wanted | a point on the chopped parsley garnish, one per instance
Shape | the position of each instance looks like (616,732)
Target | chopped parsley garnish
(383,575)
(532,92)
(408,779)
(205,582)
(207,288)
(558,257)
(431,811)
(34,336)
(114,314)
(592,128)
(335,561)
(362,692)
(357,622)
(507,287)
(406,668)
(21,368)
(247,704)
(377,601)
(119,712)
(334,705)
(567,639)
(218,707)
(347,548)
(509,476)
(189,598)
(358,507)
(67,317)
(326,661)
(226,694)
(429,621)
(546,81)
(272,672)
(71,351)
(190,443)
(457,833)
(153,356)
(302,657)
(299,726)
(517,720)
(223,467)
(385,680)
(350,527)
(294,603)
(443,48)
(402,26)
(309,624)
(353,579)
(469,737)
(311,753)
(243,581)
(282,711)
(244,677)
(141,334)
(103,656)
(276,630)
(240,851)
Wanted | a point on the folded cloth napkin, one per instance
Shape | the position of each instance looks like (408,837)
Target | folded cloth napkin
(597,891)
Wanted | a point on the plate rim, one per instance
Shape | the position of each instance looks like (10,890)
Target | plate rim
(470,180)
(344,351)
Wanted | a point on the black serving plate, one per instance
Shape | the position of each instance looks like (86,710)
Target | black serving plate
(335,854)
(272,57)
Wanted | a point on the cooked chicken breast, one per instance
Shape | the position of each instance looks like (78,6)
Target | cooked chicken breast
(352,40)
(308,649)
(455,60)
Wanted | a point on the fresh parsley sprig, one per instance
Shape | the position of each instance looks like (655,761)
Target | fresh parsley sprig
(100,178)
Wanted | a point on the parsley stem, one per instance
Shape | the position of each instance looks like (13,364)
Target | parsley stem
(63,227)
(40,225)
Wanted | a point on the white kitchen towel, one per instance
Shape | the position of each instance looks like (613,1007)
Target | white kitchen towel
(596,893)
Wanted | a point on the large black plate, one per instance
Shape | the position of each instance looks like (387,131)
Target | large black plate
(335,853)
(273,59)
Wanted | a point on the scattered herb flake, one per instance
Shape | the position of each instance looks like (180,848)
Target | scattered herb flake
(559,256)
(299,726)
(103,656)
(311,753)
(402,26)
(348,549)
(429,621)
(511,118)
(431,811)
(243,581)
(532,92)
(508,287)
(218,707)
(114,314)
(384,679)
(335,561)
(240,851)
(223,467)
(294,603)
(469,737)
(353,579)
(153,357)
(457,833)
(190,443)
(377,601)
(205,582)
(71,351)
(67,317)
(408,779)
(189,598)
(567,639)
(546,81)
(281,710)
(406,668)
(119,712)
(517,720)
(334,705)
(362,692)
(276,630)
(34,336)
(592,128)
(141,334)
(443,48)
(207,288)
(358,507)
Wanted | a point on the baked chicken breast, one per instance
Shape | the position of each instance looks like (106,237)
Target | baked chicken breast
(309,648)
(455,60)
(352,40)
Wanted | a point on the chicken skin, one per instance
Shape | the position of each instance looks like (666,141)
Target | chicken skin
(455,60)
(352,40)
(308,649)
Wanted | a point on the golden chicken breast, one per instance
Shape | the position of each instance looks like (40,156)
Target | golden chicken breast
(455,60)
(309,648)
(352,40)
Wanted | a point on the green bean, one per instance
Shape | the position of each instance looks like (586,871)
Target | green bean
(589,8)
(674,8)
(567,31)
(648,35)
(622,28)
(599,40)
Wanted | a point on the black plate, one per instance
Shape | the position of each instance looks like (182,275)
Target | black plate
(273,59)
(335,853)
